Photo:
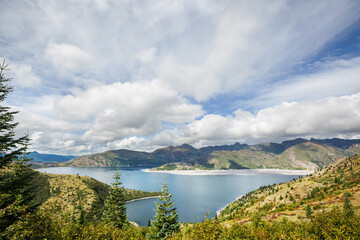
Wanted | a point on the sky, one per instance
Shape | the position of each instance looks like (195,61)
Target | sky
(96,75)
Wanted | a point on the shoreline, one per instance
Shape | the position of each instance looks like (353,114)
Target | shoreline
(233,172)
(137,199)
(217,213)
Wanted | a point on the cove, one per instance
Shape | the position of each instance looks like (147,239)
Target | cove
(194,195)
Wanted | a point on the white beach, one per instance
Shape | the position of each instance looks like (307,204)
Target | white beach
(137,199)
(234,172)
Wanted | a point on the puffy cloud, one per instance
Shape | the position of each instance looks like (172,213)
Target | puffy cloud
(328,117)
(125,109)
(33,122)
(23,75)
(334,116)
(68,57)
(89,59)
(146,55)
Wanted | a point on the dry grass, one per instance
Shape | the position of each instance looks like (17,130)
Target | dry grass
(323,190)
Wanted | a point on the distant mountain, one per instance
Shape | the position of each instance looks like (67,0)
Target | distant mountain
(40,157)
(125,157)
(294,154)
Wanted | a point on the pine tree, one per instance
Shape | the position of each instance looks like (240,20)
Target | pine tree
(166,218)
(15,172)
(347,207)
(115,210)
(308,211)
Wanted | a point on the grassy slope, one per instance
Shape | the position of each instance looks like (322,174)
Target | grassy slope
(60,193)
(306,155)
(322,190)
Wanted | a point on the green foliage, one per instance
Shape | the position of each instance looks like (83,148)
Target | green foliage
(36,225)
(347,207)
(308,211)
(115,210)
(328,225)
(15,173)
(166,218)
(207,229)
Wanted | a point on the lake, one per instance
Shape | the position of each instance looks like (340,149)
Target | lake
(194,195)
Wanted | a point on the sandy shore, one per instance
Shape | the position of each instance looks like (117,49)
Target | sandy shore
(234,172)
(141,199)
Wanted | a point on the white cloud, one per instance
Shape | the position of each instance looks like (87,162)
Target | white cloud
(146,55)
(102,5)
(334,116)
(328,117)
(132,143)
(201,49)
(253,41)
(23,75)
(125,109)
(334,78)
(33,122)
(68,57)
(97,53)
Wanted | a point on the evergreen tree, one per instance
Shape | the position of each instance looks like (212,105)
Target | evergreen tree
(347,207)
(166,218)
(15,173)
(308,211)
(115,210)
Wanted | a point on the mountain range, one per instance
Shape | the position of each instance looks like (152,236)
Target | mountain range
(41,157)
(293,154)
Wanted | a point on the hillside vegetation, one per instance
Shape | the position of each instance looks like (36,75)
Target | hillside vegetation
(322,190)
(63,194)
(270,212)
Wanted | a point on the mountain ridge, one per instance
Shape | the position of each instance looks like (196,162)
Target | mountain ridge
(311,157)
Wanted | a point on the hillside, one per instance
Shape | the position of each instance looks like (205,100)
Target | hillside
(63,194)
(305,155)
(322,190)
(293,154)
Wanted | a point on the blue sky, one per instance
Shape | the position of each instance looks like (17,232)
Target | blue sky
(95,75)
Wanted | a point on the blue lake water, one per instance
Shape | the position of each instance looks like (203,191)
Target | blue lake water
(194,196)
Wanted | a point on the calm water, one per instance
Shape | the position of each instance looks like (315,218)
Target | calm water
(194,196)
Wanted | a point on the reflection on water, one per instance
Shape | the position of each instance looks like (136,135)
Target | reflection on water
(194,196)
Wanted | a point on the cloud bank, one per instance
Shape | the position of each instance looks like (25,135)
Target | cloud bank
(100,74)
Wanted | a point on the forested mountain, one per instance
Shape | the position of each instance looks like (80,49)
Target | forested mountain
(294,154)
